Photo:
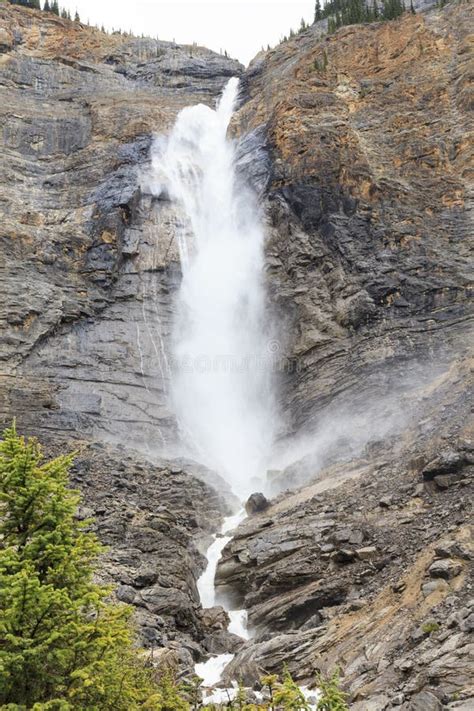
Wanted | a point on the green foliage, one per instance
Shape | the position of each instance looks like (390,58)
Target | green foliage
(76,17)
(33,4)
(318,15)
(168,696)
(62,645)
(320,65)
(350,12)
(332,698)
(430,627)
(55,7)
(289,695)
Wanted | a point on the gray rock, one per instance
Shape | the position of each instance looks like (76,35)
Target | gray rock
(367,553)
(222,642)
(256,503)
(125,593)
(445,568)
(424,701)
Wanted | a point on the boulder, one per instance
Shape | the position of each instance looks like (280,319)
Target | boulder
(424,701)
(366,553)
(222,642)
(445,568)
(125,593)
(256,503)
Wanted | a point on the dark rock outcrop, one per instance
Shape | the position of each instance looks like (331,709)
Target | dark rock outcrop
(256,503)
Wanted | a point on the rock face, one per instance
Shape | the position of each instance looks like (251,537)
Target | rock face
(329,577)
(88,273)
(367,193)
(368,200)
(89,267)
(358,145)
(156,521)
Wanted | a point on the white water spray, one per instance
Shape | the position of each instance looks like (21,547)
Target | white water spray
(222,352)
(222,380)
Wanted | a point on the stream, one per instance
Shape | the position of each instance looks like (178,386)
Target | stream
(211,671)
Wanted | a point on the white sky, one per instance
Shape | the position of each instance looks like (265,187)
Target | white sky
(241,27)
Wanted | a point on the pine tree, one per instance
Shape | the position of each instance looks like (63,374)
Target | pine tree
(412,9)
(55,7)
(318,15)
(46,6)
(332,698)
(76,17)
(63,646)
(289,695)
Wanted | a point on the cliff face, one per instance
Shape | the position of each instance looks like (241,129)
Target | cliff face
(88,271)
(368,197)
(367,135)
(359,144)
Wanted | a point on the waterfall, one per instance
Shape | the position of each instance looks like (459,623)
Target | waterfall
(223,352)
(221,383)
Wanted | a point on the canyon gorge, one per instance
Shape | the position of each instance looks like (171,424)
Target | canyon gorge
(351,161)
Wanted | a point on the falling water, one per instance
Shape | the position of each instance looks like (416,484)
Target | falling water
(221,384)
(221,379)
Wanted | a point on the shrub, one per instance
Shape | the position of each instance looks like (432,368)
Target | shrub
(430,627)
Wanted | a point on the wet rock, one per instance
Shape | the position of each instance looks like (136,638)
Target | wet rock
(222,642)
(256,503)
(215,618)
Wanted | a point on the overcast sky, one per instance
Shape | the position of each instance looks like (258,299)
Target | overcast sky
(239,26)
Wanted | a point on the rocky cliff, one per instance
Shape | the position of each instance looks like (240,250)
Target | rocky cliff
(359,146)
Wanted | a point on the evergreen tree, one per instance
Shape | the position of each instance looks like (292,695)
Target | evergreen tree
(76,17)
(63,14)
(55,7)
(412,9)
(318,15)
(289,695)
(46,6)
(332,698)
(63,646)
